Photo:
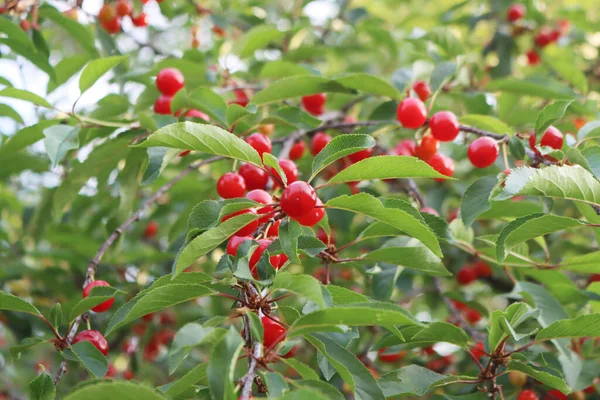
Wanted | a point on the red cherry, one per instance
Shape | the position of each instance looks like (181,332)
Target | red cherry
(289,169)
(589,389)
(255,257)
(164,337)
(297,150)
(319,141)
(240,98)
(552,138)
(162,105)
(107,13)
(459,305)
(360,155)
(442,164)
(95,338)
(246,229)
(444,126)
(102,306)
(429,351)
(112,26)
(128,375)
(314,103)
(231,185)
(564,25)
(151,230)
(422,90)
(515,12)
(472,316)
(411,113)
(291,353)
(543,38)
(390,357)
(110,373)
(427,148)
(430,210)
(594,278)
(169,81)
(483,269)
(327,239)
(260,143)
(25,25)
(254,177)
(148,317)
(298,199)
(556,394)
(555,35)
(262,197)
(197,114)
(151,350)
(140,20)
(466,275)
(478,351)
(405,148)
(184,153)
(533,58)
(274,332)
(167,317)
(527,395)
(483,152)
(217,30)
(234,242)
(313,216)
(274,229)
(123,8)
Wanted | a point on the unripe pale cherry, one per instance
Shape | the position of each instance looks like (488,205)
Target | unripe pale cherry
(102,306)
(483,152)
(297,150)
(318,142)
(444,126)
(162,105)
(95,338)
(169,81)
(552,138)
(515,12)
(260,143)
(314,103)
(427,148)
(298,199)
(254,177)
(411,113)
(312,217)
(274,332)
(107,13)
(422,90)
(246,229)
(231,185)
(429,210)
(197,114)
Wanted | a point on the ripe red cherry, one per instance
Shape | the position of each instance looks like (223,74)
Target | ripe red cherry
(472,316)
(234,242)
(246,229)
(231,185)
(527,395)
(442,164)
(102,306)
(107,13)
(217,30)
(274,332)
(556,394)
(314,103)
(128,375)
(111,372)
(260,143)
(543,38)
(313,216)
(552,138)
(298,199)
(427,148)
(444,126)
(594,278)
(254,177)
(297,150)
(515,12)
(390,357)
(112,26)
(151,230)
(405,148)
(360,155)
(274,230)
(422,90)
(240,98)
(328,239)
(275,260)
(260,196)
(123,8)
(184,153)
(411,113)
(533,58)
(483,152)
(319,141)
(478,351)
(162,105)
(289,169)
(25,25)
(140,20)
(466,275)
(169,81)
(430,210)
(95,338)
(197,114)
(483,269)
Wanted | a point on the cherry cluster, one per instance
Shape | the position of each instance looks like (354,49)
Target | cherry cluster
(169,81)
(471,272)
(110,16)
(470,314)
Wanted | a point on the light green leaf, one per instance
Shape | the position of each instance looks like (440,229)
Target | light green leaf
(411,255)
(589,131)
(89,356)
(9,112)
(289,233)
(438,332)
(42,388)
(553,381)
(80,32)
(442,73)
(270,160)
(23,138)
(114,389)
(13,303)
(58,140)
(21,94)
(221,365)
(192,377)
(304,370)
(412,379)
(585,263)
(202,99)
(297,86)
(369,84)
(338,147)
(582,326)
(303,285)
(96,68)
(188,337)
(476,199)
(487,123)
(256,38)
(551,113)
(568,71)
(544,88)
(446,40)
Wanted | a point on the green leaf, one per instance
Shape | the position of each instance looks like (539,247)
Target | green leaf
(338,147)
(289,232)
(204,100)
(16,351)
(360,314)
(582,326)
(303,285)
(327,389)
(568,71)
(209,240)
(89,356)
(544,88)
(386,167)
(188,337)
(304,393)
(297,86)
(95,69)
(56,315)
(203,138)
(21,94)
(129,181)
(476,199)
(158,159)
(438,332)
(282,69)
(304,370)
(209,213)
(352,371)
(221,365)
(487,123)
(24,137)
(383,280)
(78,31)
(529,227)
(9,112)
(98,295)
(270,160)
(570,182)
(42,388)
(553,381)
(13,303)
(58,140)
(442,73)
(412,379)
(369,84)
(368,205)
(551,113)
(192,377)
(164,292)
(585,263)
(444,38)
(256,38)
(589,131)
(504,322)
(114,389)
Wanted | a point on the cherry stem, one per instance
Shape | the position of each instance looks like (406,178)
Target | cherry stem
(52,328)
